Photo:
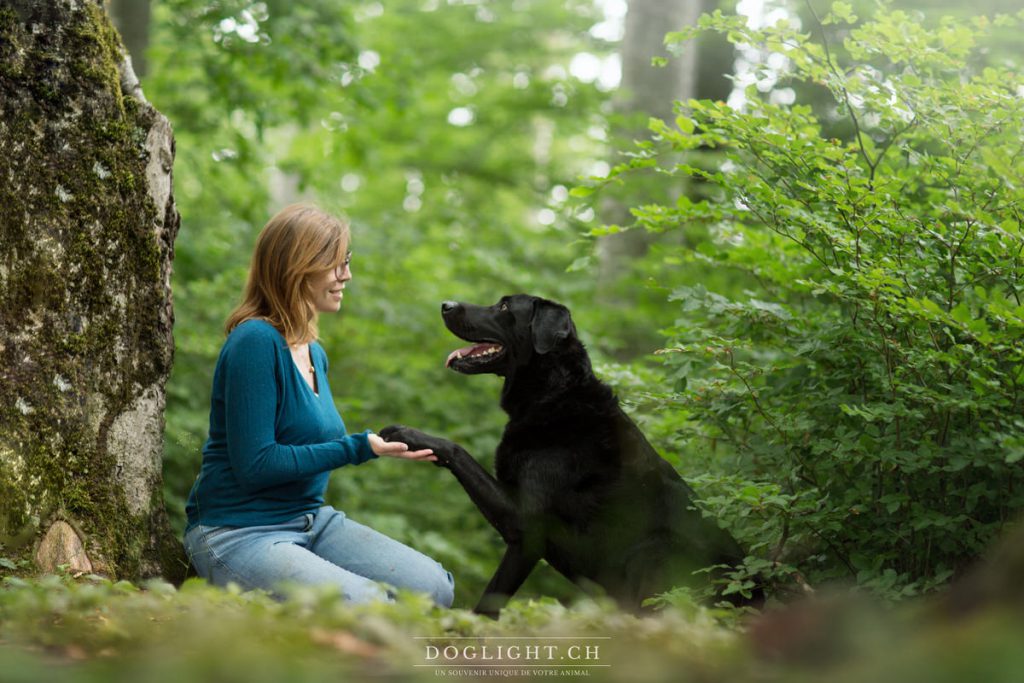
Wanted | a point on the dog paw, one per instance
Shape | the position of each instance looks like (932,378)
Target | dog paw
(417,440)
(390,432)
(407,435)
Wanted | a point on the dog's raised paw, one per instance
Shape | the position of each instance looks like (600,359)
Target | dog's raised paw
(389,433)
(417,440)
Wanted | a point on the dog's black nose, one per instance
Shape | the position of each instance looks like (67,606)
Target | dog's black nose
(449,306)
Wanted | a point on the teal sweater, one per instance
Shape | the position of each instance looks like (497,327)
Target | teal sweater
(273,441)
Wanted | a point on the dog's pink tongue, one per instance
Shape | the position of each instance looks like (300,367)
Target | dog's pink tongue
(460,353)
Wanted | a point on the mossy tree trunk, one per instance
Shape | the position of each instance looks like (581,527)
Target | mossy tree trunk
(87,227)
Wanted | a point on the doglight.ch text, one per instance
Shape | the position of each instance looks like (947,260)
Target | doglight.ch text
(513,656)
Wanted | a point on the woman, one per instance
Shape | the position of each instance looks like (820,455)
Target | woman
(256,514)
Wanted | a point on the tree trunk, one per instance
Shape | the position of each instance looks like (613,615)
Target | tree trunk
(131,17)
(650,91)
(87,227)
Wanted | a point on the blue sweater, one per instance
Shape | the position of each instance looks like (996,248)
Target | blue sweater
(273,441)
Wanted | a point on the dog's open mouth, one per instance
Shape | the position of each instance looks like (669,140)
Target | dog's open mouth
(476,355)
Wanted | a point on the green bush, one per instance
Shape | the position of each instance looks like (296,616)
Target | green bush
(862,382)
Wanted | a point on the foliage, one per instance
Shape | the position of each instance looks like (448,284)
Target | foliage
(859,382)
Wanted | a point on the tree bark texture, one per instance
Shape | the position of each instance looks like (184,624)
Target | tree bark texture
(87,227)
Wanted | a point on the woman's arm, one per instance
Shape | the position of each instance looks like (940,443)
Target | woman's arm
(250,395)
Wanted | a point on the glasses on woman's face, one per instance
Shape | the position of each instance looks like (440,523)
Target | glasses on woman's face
(340,270)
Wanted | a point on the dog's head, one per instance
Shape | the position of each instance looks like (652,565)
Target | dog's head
(507,334)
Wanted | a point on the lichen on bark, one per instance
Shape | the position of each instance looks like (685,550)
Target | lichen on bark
(87,226)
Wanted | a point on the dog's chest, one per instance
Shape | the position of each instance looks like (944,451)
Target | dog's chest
(509,461)
(551,457)
(520,447)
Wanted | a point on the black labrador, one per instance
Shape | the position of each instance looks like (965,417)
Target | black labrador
(576,481)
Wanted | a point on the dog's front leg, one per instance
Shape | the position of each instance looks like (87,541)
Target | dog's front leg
(514,568)
(484,490)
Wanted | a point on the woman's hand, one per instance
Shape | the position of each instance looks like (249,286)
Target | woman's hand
(443,449)
(397,449)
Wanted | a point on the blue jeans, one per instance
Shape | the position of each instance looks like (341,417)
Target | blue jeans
(322,547)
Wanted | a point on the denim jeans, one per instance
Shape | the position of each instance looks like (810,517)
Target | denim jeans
(322,547)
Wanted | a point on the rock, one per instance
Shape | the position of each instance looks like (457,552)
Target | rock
(61,545)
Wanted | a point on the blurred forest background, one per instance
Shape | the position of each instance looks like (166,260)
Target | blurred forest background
(790,234)
(850,418)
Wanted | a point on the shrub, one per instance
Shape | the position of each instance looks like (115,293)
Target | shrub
(868,380)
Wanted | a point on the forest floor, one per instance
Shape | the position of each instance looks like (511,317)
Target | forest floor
(91,629)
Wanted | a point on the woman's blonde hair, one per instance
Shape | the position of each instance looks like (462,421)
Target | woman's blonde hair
(299,243)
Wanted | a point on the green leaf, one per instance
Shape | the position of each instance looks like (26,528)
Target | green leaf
(962,313)
(685,124)
(843,11)
(581,263)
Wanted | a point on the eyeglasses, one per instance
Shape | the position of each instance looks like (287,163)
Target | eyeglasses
(340,269)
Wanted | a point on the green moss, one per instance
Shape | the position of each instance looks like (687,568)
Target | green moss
(107,251)
(95,50)
(16,528)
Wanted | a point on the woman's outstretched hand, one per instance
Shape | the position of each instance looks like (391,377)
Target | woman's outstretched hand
(397,449)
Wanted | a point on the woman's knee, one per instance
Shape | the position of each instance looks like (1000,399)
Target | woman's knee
(443,592)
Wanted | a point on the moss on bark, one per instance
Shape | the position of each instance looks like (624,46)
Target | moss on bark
(85,322)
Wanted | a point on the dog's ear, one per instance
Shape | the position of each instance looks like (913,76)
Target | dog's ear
(551,324)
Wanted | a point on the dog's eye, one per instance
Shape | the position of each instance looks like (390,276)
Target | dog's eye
(503,308)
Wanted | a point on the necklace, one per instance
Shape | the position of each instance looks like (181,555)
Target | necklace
(312,370)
